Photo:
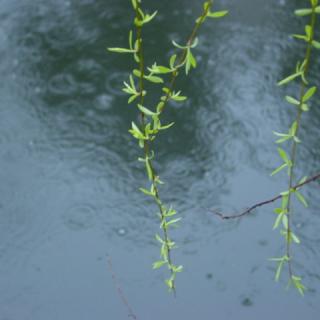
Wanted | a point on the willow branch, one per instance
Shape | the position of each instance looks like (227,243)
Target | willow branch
(121,294)
(183,54)
(263,203)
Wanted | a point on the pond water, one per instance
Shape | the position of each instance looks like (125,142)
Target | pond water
(69,177)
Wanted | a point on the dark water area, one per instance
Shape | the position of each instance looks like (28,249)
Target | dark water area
(69,177)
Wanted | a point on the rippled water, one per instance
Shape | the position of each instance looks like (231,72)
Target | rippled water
(69,178)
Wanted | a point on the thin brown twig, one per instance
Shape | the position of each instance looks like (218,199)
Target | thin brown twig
(260,204)
(121,294)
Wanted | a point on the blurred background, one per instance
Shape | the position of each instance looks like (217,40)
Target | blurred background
(69,177)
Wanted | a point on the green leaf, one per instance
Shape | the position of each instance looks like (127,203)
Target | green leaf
(279,269)
(137,73)
(316,44)
(289,78)
(171,213)
(149,170)
(122,50)
(160,106)
(172,222)
(178,98)
(148,17)
(132,98)
(295,238)
(292,100)
(298,284)
(283,155)
(130,40)
(278,220)
(159,69)
(177,269)
(134,4)
(135,131)
(300,37)
(308,30)
(284,137)
(153,79)
(194,43)
(309,94)
(146,111)
(303,12)
(146,192)
(172,61)
(158,264)
(317,10)
(301,198)
(285,222)
(178,45)
(158,238)
(190,61)
(166,126)
(217,14)
(278,169)
(170,284)
(284,201)
(294,128)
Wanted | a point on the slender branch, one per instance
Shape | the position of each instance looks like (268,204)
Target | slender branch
(146,145)
(295,143)
(121,295)
(183,54)
(263,203)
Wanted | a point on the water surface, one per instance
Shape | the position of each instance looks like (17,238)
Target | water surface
(69,177)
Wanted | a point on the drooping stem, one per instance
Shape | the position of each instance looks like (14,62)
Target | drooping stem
(167,243)
(183,54)
(295,142)
(146,146)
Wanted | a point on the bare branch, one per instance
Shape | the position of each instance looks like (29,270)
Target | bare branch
(120,291)
(260,204)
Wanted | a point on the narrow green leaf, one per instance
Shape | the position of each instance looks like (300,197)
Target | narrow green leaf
(153,79)
(301,198)
(278,220)
(158,238)
(132,98)
(279,269)
(158,264)
(121,50)
(146,111)
(309,93)
(218,14)
(289,78)
(172,61)
(134,4)
(285,222)
(146,192)
(316,44)
(283,155)
(292,100)
(278,169)
(137,73)
(303,12)
(295,238)
(166,126)
(173,221)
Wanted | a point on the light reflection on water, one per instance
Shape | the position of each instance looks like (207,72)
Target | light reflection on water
(69,175)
